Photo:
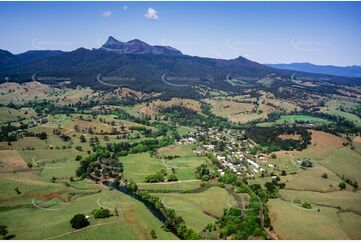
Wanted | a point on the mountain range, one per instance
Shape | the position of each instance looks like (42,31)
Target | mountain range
(138,65)
(348,71)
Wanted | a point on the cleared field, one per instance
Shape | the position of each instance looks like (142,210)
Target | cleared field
(345,162)
(185,166)
(182,186)
(322,145)
(176,150)
(196,208)
(342,108)
(227,108)
(311,180)
(13,115)
(138,166)
(60,170)
(356,144)
(41,156)
(291,119)
(346,200)
(10,160)
(183,130)
(43,209)
(155,106)
(291,221)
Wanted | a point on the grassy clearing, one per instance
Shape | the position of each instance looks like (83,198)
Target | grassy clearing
(343,199)
(345,162)
(10,160)
(41,156)
(57,203)
(183,186)
(185,166)
(138,166)
(311,180)
(342,109)
(176,150)
(291,119)
(196,209)
(61,170)
(183,130)
(292,222)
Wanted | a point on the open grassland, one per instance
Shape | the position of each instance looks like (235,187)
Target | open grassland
(13,115)
(183,130)
(60,170)
(138,166)
(155,106)
(345,200)
(322,144)
(41,156)
(291,221)
(342,109)
(176,150)
(185,167)
(227,108)
(292,119)
(196,208)
(168,186)
(356,143)
(311,180)
(345,162)
(43,209)
(10,160)
(12,92)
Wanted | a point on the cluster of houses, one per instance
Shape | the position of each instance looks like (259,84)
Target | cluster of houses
(236,155)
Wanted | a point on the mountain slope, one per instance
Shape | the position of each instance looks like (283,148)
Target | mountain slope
(348,71)
(137,65)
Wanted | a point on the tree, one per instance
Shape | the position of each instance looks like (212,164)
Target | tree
(283,173)
(3,230)
(342,185)
(42,135)
(132,186)
(82,138)
(324,175)
(153,234)
(273,156)
(79,221)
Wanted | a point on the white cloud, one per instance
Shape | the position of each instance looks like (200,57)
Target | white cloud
(125,7)
(151,14)
(106,13)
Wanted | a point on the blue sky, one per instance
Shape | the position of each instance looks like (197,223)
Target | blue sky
(266,32)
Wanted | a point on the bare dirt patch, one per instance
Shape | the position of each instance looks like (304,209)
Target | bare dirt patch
(11,160)
(290,136)
(131,218)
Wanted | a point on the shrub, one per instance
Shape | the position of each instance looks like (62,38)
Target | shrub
(101,213)
(172,177)
(342,185)
(324,175)
(153,234)
(307,205)
(79,221)
(78,157)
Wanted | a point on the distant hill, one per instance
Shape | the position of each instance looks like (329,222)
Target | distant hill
(348,71)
